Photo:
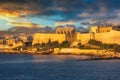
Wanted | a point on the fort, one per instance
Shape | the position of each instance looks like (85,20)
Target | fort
(105,34)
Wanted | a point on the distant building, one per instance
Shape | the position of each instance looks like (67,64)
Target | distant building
(104,34)
(68,31)
(10,41)
(100,29)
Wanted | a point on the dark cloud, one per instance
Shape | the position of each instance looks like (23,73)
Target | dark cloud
(68,9)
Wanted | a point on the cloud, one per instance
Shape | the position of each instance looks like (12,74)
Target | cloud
(25,24)
(65,23)
(17,10)
(68,11)
(84,15)
(57,7)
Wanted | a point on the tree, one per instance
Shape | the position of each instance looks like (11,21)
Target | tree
(10,44)
(55,44)
(65,44)
(95,42)
(28,44)
(37,45)
(42,45)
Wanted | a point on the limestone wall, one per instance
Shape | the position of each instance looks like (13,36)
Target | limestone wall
(82,38)
(100,29)
(85,38)
(94,29)
(105,29)
(44,38)
(112,37)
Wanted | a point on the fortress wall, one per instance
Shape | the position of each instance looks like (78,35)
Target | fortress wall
(70,39)
(112,37)
(105,29)
(83,38)
(44,38)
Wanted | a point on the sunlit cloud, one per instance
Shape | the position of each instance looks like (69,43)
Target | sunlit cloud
(65,23)
(59,12)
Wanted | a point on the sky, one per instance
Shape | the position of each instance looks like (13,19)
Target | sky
(54,13)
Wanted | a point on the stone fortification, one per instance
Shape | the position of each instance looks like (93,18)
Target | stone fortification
(112,37)
(45,38)
(103,34)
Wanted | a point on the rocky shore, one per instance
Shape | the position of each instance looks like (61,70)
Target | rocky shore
(91,55)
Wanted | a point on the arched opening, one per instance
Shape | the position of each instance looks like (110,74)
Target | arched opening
(73,32)
(62,32)
(69,33)
(58,32)
(65,32)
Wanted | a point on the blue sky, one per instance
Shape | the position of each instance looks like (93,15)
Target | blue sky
(58,12)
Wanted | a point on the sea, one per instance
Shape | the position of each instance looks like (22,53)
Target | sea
(56,67)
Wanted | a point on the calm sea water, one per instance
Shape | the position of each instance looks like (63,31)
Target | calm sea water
(59,67)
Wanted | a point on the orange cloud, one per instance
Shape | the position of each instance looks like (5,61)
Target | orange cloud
(25,24)
(12,10)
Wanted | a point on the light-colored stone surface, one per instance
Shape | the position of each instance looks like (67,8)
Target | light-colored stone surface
(45,38)
(110,37)
(92,52)
(100,29)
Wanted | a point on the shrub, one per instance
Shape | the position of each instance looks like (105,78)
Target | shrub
(37,45)
(94,42)
(65,44)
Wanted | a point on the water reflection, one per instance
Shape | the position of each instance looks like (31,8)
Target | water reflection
(58,58)
(16,58)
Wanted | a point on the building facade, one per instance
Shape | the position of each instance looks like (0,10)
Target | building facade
(100,29)
(45,38)
(69,33)
(104,34)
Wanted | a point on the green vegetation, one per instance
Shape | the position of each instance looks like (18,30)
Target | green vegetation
(87,46)
(113,47)
(54,44)
(94,42)
(65,44)
(10,44)
(44,46)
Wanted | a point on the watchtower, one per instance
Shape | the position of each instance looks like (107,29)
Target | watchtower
(68,31)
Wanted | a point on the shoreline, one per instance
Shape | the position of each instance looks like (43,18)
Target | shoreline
(90,57)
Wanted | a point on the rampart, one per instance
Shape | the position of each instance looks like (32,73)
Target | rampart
(112,37)
(45,38)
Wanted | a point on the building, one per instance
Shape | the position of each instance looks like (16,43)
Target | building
(100,29)
(68,31)
(104,34)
